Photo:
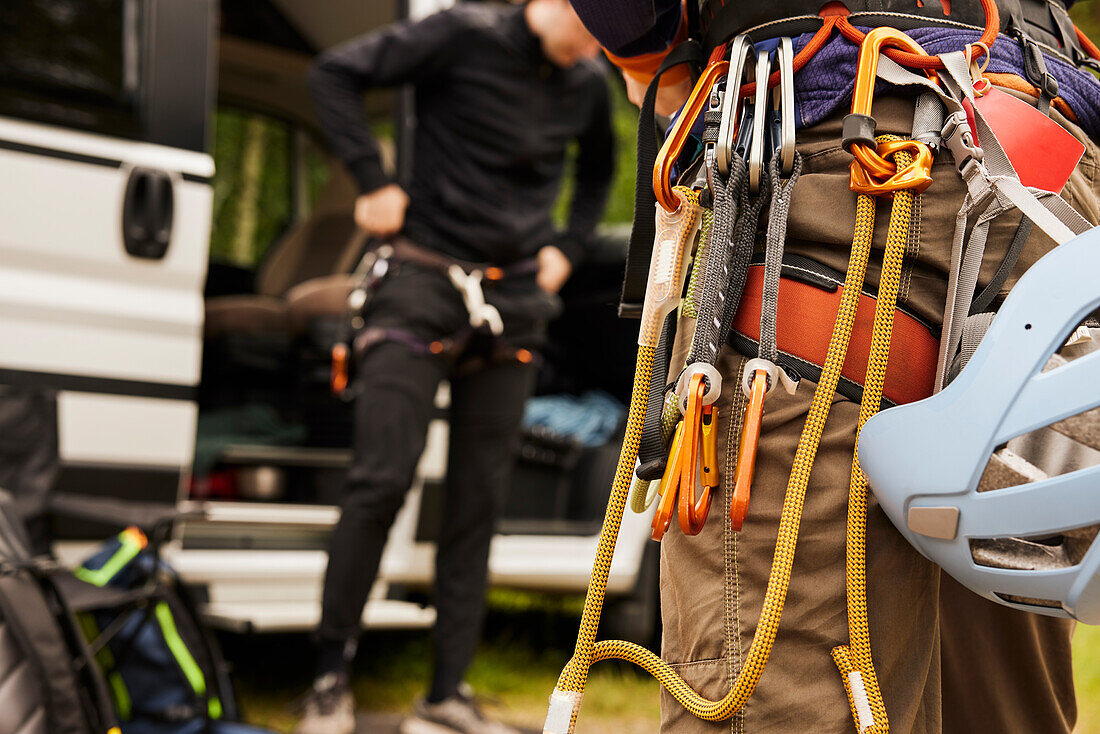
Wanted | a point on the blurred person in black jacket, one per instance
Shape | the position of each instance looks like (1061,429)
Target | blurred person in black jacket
(500,92)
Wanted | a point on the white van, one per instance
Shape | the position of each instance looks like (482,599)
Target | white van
(108,192)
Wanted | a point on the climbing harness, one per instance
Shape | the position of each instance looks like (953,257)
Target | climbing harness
(730,297)
(467,278)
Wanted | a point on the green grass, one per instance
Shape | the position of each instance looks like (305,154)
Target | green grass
(1086,673)
(528,640)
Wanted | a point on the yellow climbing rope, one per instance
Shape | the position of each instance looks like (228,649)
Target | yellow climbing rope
(675,234)
(854,659)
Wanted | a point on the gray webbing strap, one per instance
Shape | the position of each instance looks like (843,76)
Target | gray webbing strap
(727,197)
(973,330)
(744,240)
(983,300)
(773,254)
(993,187)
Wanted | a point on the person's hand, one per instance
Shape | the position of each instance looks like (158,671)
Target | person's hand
(670,97)
(554,269)
(382,212)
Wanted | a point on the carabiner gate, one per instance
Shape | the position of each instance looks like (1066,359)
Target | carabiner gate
(740,54)
(681,130)
(783,103)
(757,146)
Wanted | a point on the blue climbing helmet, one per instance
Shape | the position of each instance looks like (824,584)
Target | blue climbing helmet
(940,470)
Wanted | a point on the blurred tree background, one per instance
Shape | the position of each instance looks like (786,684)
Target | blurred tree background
(1086,15)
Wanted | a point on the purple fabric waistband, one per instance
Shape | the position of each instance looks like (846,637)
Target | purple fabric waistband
(825,84)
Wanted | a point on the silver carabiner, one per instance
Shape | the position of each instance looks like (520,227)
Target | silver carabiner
(757,146)
(783,98)
(740,53)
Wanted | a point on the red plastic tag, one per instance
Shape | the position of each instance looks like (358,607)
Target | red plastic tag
(1043,152)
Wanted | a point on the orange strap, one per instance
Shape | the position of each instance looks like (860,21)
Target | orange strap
(925,61)
(805,325)
(1087,44)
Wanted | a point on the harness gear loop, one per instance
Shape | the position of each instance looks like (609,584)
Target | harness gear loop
(674,143)
(920,59)
(977,70)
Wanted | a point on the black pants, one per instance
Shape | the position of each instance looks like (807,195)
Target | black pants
(392,409)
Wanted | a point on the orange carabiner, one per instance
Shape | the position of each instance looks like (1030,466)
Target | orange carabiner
(693,513)
(708,427)
(674,143)
(338,377)
(746,455)
(662,518)
(871,173)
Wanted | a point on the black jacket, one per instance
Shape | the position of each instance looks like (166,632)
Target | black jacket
(494,118)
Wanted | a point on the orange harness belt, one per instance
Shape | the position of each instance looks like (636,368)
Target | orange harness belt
(805,325)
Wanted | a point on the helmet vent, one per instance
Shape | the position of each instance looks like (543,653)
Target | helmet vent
(1029,601)
(1032,554)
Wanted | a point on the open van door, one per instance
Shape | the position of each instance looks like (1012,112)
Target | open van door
(105,209)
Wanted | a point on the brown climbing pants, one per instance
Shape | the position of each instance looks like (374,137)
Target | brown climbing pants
(947,660)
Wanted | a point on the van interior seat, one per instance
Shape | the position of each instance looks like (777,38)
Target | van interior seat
(313,260)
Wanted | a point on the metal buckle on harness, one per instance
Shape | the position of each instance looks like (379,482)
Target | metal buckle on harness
(958,136)
(481,313)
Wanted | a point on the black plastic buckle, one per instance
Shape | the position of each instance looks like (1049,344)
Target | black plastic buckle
(1035,66)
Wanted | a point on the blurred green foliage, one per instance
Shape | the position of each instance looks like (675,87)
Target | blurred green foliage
(1086,15)
(272,199)
(624,122)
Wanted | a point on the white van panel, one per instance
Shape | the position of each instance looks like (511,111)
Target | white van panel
(125,430)
(101,146)
(72,300)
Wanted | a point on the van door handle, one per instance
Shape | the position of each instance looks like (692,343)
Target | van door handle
(147,212)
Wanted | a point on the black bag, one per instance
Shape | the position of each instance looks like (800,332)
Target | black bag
(115,646)
(47,684)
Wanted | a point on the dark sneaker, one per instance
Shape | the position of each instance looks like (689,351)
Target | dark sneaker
(458,713)
(328,708)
